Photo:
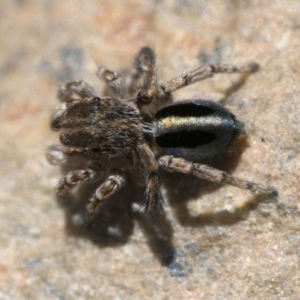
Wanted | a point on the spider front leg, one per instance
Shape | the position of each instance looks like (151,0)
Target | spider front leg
(146,97)
(202,73)
(110,186)
(145,64)
(113,80)
(79,87)
(173,164)
(153,201)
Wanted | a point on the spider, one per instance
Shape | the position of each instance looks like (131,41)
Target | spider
(127,130)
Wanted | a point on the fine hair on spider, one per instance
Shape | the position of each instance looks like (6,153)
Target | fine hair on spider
(123,131)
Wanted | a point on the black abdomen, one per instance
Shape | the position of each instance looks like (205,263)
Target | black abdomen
(195,129)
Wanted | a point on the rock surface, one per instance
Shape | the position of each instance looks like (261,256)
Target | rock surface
(214,242)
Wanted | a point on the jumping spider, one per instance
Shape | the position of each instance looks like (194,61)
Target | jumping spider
(116,132)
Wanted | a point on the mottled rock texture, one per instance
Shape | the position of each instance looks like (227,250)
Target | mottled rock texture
(214,242)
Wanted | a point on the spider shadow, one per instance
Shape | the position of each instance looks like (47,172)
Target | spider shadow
(114,224)
(183,188)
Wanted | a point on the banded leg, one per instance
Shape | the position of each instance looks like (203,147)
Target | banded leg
(172,164)
(79,87)
(110,186)
(74,178)
(145,63)
(153,201)
(113,80)
(202,73)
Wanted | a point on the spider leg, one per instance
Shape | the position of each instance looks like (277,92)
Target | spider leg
(202,73)
(110,186)
(138,170)
(153,199)
(173,164)
(146,97)
(145,63)
(113,80)
(74,178)
(79,87)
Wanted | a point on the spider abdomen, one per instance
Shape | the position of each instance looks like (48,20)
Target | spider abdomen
(195,129)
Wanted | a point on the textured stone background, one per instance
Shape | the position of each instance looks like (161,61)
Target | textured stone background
(214,242)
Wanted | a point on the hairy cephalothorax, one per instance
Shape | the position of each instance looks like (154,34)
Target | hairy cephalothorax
(119,132)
